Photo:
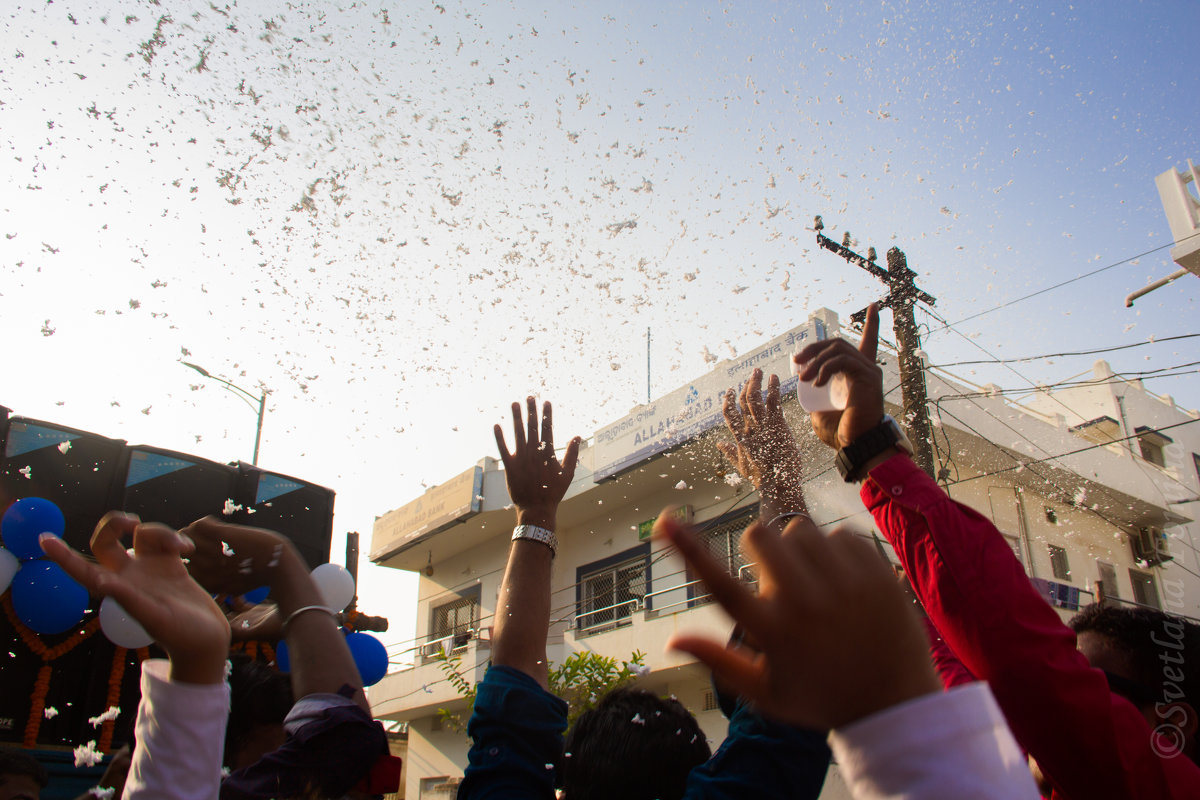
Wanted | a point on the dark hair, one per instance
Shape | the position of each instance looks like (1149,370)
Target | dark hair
(1152,641)
(259,695)
(15,762)
(634,745)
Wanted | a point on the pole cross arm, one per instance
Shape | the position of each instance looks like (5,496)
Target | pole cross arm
(851,256)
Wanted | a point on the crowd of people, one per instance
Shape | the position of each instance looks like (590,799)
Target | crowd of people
(976,689)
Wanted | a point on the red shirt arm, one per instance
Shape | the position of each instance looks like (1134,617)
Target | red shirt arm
(1088,741)
(949,668)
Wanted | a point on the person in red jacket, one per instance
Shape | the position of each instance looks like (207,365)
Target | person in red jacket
(1075,718)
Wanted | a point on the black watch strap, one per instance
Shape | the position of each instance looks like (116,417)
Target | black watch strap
(854,456)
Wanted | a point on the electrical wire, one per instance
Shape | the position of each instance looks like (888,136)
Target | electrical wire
(1074,452)
(1064,355)
(1062,284)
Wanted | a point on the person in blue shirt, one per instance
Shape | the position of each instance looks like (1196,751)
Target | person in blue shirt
(633,745)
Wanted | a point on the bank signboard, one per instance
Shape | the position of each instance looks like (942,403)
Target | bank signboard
(691,410)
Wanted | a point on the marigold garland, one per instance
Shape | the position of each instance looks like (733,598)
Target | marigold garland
(41,686)
(115,678)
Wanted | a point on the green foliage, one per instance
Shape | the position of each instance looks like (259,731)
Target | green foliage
(581,680)
(584,678)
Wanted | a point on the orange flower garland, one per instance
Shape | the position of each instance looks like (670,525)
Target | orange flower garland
(114,697)
(41,686)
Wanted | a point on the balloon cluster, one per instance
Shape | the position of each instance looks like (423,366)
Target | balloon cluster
(46,599)
(49,601)
(337,590)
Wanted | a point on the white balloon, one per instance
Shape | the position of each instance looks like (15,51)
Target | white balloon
(120,628)
(336,585)
(9,564)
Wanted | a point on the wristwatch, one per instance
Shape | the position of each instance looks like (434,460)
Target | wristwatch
(533,532)
(854,456)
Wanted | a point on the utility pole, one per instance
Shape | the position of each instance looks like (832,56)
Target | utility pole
(647,365)
(352,564)
(902,296)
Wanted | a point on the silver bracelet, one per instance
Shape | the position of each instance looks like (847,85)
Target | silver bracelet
(788,515)
(536,534)
(301,610)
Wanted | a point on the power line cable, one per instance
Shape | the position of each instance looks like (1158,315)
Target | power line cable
(1064,355)
(1062,284)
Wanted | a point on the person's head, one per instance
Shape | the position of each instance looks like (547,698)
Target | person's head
(633,745)
(21,776)
(260,698)
(1151,659)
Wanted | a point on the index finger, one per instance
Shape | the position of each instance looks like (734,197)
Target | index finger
(870,338)
(733,597)
(548,427)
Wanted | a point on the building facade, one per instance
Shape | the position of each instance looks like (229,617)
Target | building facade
(1073,512)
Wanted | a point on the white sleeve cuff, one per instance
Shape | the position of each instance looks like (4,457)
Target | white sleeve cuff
(180,738)
(946,744)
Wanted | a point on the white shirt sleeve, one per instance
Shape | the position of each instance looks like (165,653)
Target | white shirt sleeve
(952,744)
(180,738)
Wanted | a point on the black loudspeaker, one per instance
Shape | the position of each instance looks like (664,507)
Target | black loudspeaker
(301,511)
(80,472)
(176,489)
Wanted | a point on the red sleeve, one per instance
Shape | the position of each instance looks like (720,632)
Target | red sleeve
(1089,742)
(949,668)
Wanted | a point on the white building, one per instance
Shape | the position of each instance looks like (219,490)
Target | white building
(1069,509)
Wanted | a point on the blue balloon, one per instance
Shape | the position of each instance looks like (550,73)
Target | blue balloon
(369,655)
(257,595)
(47,599)
(27,519)
(281,657)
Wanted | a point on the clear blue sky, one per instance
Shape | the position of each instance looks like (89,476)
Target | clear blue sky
(398,222)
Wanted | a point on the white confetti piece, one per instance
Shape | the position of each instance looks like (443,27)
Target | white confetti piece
(112,713)
(87,756)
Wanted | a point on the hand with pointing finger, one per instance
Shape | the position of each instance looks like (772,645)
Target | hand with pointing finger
(864,383)
(152,584)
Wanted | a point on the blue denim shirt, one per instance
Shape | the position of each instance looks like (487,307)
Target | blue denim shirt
(517,740)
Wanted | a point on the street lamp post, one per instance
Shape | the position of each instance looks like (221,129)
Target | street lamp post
(246,396)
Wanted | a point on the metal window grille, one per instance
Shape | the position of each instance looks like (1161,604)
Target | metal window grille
(1058,563)
(1108,575)
(1145,588)
(723,543)
(1151,451)
(455,619)
(611,595)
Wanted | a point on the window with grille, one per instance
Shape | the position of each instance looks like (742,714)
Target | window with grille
(1145,588)
(1108,578)
(456,620)
(723,540)
(1059,563)
(609,596)
(1152,445)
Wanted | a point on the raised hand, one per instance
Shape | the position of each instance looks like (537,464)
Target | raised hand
(864,383)
(838,640)
(764,449)
(152,584)
(234,559)
(536,479)
(255,622)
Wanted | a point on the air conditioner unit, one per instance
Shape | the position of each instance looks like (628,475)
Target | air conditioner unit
(1150,545)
